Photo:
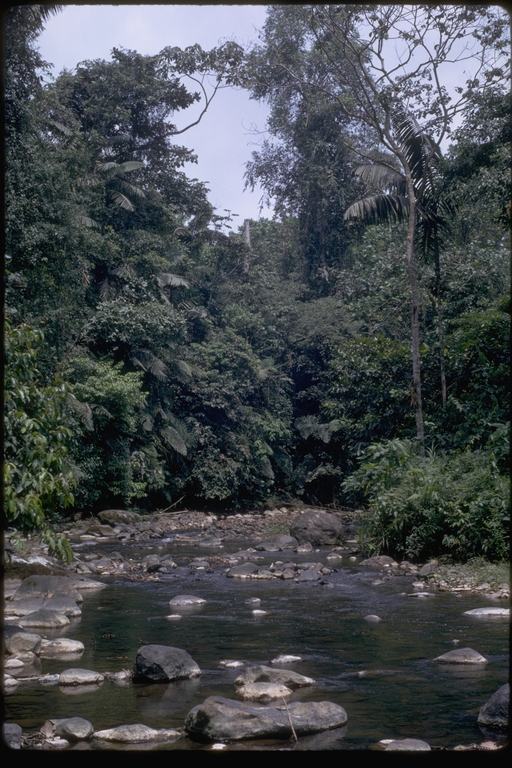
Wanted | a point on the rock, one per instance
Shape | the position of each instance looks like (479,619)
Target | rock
(243,571)
(310,574)
(372,618)
(218,718)
(24,606)
(252,601)
(10,682)
(132,734)
(492,611)
(231,663)
(378,561)
(186,600)
(114,516)
(76,676)
(462,656)
(263,691)
(408,745)
(45,618)
(72,728)
(284,658)
(36,586)
(262,674)
(495,712)
(276,543)
(316,527)
(12,735)
(163,663)
(62,604)
(21,642)
(61,647)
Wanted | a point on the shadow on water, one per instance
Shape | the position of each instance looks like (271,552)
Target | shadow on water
(382,673)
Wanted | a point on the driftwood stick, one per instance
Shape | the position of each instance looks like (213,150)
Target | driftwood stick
(161,512)
(290,720)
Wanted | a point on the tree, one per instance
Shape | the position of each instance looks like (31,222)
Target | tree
(389,56)
(38,479)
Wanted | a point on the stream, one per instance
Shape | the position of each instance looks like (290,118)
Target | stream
(382,673)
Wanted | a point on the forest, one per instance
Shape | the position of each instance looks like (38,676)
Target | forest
(352,352)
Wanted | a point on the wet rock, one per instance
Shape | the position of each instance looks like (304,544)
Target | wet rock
(77,676)
(462,656)
(137,733)
(186,600)
(495,712)
(10,682)
(408,745)
(284,658)
(252,601)
(12,735)
(45,619)
(316,527)
(310,574)
(491,611)
(262,674)
(231,663)
(72,728)
(243,571)
(372,618)
(37,586)
(162,664)
(218,718)
(263,692)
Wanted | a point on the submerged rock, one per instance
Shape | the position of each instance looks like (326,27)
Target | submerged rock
(491,611)
(218,718)
(80,677)
(462,656)
(162,664)
(262,674)
(132,734)
(186,600)
(408,745)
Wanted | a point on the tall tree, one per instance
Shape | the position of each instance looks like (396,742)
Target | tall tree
(380,57)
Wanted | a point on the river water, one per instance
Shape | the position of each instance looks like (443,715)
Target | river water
(383,673)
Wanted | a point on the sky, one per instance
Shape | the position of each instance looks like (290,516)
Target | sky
(225,138)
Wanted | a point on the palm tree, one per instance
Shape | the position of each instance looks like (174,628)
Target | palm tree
(414,196)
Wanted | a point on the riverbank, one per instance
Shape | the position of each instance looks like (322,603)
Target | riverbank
(476,576)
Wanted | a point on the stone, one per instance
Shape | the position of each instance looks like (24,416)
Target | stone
(408,745)
(462,656)
(491,611)
(310,574)
(162,664)
(132,734)
(495,712)
(243,571)
(21,642)
(77,676)
(316,527)
(218,718)
(378,561)
(262,674)
(284,658)
(46,619)
(46,586)
(231,663)
(186,600)
(263,692)
(72,728)
(12,735)
(61,647)
(114,516)
(276,543)
(372,618)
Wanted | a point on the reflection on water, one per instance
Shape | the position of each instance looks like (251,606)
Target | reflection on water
(381,673)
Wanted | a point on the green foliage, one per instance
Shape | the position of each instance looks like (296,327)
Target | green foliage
(442,504)
(38,480)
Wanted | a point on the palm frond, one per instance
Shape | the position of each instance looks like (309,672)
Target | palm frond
(381,176)
(122,201)
(378,208)
(175,281)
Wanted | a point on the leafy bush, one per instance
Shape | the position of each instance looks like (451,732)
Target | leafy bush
(424,507)
(38,480)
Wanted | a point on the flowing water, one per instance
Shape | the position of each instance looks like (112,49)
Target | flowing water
(383,673)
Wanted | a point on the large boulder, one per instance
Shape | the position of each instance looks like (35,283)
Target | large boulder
(116,516)
(495,712)
(218,718)
(47,586)
(162,664)
(262,674)
(316,527)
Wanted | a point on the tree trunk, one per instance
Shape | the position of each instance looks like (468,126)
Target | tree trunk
(415,318)
(247,241)
(439,309)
